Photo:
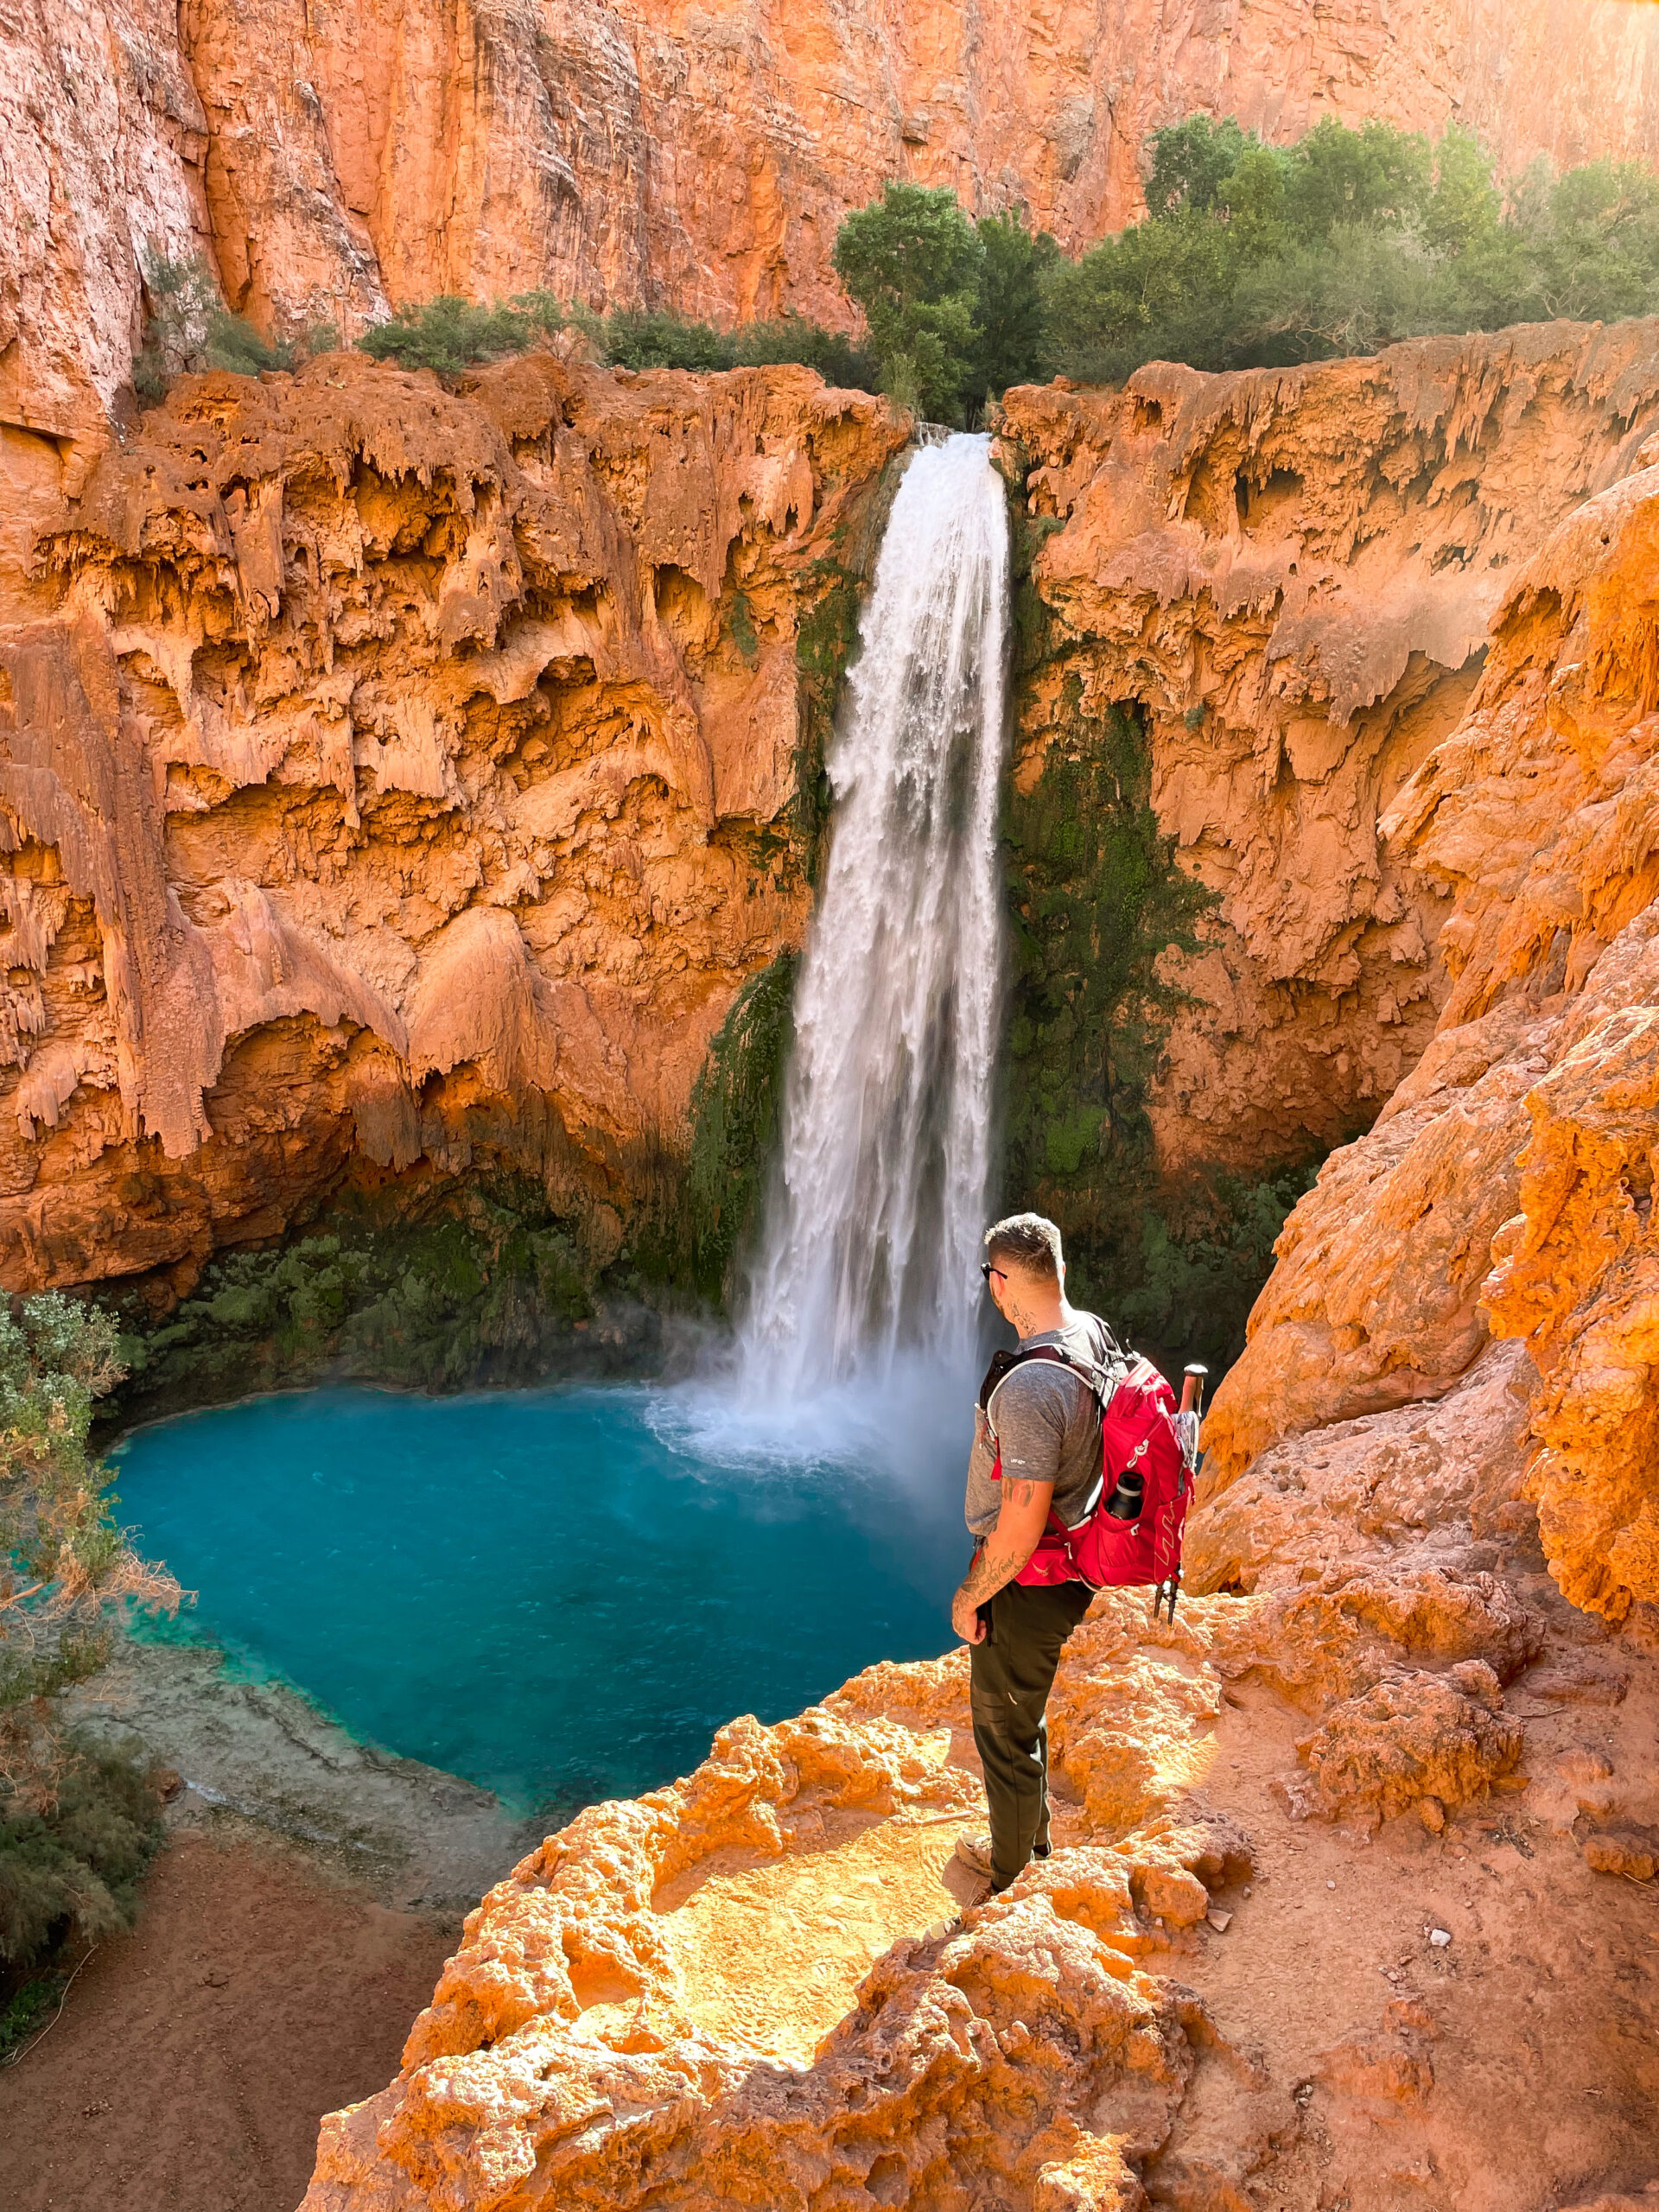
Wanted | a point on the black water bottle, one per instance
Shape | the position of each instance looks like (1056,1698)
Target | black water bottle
(1128,1493)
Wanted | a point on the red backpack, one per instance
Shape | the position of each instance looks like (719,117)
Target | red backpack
(1141,1432)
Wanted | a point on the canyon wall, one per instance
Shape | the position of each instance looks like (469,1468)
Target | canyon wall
(1496,1225)
(401,783)
(398,784)
(1289,572)
(1351,1897)
(331,160)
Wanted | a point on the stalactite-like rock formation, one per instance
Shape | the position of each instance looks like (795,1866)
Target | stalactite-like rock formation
(1290,574)
(398,783)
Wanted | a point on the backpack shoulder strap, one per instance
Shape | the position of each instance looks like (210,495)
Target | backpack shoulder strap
(1100,1380)
(1004,1362)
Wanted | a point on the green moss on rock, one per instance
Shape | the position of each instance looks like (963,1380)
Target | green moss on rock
(497,1290)
(1097,901)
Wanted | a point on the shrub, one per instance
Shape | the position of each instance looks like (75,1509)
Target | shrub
(76,1823)
(840,360)
(189,329)
(70,1870)
(450,334)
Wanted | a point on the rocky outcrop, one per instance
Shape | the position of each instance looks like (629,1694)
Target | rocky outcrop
(331,159)
(1290,574)
(670,1999)
(750,1988)
(399,784)
(1496,1223)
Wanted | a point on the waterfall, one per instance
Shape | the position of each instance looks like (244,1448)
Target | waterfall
(871,1239)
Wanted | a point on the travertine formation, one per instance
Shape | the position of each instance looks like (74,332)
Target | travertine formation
(1498,1222)
(749,1988)
(459,731)
(1291,573)
(399,784)
(331,159)
(1350,1861)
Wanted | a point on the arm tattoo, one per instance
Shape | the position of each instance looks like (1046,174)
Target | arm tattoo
(990,1571)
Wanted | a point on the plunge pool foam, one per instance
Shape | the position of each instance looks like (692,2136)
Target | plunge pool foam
(560,1594)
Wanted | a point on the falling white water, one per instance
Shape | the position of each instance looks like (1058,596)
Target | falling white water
(870,1251)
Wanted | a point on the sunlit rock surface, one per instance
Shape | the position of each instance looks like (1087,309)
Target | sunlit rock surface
(1291,573)
(399,783)
(1497,1220)
(1262,1963)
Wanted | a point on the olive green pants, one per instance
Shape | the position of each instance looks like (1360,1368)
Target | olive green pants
(1010,1674)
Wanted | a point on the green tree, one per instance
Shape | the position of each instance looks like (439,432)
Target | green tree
(1341,244)
(1011,311)
(910,261)
(1465,210)
(75,1824)
(1597,254)
(1158,291)
(1192,164)
(1376,177)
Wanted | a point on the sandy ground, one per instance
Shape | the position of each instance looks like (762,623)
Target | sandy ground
(195,2055)
(1518,2066)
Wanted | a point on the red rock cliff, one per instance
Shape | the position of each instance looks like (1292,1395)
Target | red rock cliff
(332,159)
(398,783)
(1291,574)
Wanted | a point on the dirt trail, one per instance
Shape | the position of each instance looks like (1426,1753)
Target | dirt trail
(195,2055)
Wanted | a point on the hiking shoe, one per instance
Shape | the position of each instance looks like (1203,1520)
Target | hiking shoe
(966,1884)
(975,1853)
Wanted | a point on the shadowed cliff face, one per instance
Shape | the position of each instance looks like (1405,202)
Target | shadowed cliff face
(331,159)
(399,784)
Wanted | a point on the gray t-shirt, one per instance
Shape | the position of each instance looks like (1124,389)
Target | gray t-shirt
(1046,1421)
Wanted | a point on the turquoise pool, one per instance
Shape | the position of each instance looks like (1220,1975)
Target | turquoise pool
(561,1594)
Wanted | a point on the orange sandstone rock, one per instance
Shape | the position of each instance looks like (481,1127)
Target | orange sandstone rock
(394,788)
(1505,1189)
(678,2002)
(1290,574)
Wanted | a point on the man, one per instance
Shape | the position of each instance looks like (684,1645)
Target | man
(1044,1420)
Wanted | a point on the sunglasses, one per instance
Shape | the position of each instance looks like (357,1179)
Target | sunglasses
(987,1271)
